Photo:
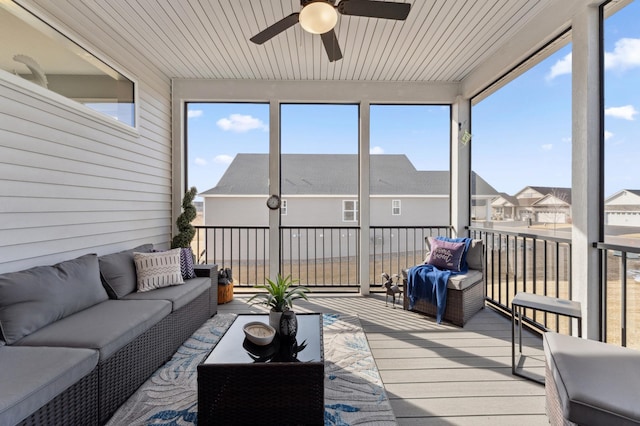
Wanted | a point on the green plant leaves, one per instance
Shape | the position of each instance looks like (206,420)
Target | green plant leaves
(279,293)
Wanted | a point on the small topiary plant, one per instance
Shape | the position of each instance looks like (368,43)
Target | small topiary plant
(186,230)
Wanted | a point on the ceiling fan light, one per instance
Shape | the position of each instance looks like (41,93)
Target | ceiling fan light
(318,17)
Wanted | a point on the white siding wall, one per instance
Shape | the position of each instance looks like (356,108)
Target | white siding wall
(325,211)
(72,183)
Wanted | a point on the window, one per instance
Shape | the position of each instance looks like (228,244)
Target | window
(395,207)
(410,145)
(43,56)
(349,210)
(621,125)
(522,137)
(283,208)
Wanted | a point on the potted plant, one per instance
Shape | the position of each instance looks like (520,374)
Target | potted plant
(279,296)
(186,234)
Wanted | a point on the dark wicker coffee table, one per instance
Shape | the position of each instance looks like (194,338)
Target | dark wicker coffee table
(283,383)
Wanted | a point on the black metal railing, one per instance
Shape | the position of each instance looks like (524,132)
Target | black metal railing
(516,261)
(620,294)
(394,248)
(244,249)
(316,256)
(320,256)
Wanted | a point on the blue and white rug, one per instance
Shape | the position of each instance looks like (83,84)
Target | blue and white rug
(354,394)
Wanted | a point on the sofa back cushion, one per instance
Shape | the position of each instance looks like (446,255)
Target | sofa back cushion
(118,271)
(36,297)
(475,255)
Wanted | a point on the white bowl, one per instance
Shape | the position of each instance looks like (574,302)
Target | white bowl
(259,333)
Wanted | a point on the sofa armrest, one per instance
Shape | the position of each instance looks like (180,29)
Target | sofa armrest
(210,270)
(206,270)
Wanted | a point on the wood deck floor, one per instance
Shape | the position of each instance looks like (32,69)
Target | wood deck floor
(439,374)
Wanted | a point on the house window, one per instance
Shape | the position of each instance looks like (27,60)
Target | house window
(283,208)
(395,207)
(349,210)
(49,59)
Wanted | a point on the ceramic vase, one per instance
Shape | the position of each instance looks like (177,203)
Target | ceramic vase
(274,320)
(288,325)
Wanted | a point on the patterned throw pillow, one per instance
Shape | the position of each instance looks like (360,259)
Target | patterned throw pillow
(159,269)
(186,263)
(446,255)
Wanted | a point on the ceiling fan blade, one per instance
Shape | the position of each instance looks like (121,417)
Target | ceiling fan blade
(331,45)
(375,9)
(275,29)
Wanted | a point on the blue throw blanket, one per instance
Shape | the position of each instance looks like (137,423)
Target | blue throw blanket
(429,283)
(426,282)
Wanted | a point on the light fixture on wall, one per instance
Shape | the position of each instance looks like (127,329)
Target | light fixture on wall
(318,17)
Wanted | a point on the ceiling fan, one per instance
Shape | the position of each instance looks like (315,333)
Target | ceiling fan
(321,16)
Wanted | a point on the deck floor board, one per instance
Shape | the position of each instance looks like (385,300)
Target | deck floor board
(439,374)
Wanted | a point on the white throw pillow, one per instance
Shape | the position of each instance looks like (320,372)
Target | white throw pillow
(158,269)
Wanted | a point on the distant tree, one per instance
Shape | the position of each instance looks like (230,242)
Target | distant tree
(559,201)
(186,230)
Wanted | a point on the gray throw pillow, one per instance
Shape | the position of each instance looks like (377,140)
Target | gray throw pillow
(118,271)
(475,255)
(36,297)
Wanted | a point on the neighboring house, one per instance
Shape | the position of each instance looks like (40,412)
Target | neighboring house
(534,203)
(504,207)
(623,208)
(322,190)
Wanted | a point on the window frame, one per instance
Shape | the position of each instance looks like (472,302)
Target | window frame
(394,207)
(353,210)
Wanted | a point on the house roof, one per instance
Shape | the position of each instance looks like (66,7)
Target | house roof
(562,193)
(334,174)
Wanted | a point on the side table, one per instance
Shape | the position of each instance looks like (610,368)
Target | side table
(537,302)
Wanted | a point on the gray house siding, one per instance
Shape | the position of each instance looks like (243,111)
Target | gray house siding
(72,182)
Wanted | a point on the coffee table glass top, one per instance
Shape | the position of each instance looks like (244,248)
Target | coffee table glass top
(233,348)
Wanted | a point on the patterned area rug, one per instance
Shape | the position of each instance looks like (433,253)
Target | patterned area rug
(354,394)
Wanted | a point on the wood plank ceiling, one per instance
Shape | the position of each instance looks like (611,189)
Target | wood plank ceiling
(442,40)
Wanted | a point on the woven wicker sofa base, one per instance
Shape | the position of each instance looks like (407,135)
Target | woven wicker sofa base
(552,401)
(461,304)
(123,372)
(78,405)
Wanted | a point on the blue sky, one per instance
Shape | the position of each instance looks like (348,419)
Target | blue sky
(521,133)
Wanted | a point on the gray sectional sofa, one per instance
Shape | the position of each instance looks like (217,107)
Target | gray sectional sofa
(77,339)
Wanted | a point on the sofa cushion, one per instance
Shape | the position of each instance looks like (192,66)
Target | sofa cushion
(118,272)
(598,383)
(31,377)
(178,295)
(475,255)
(106,327)
(186,263)
(462,281)
(36,297)
(158,269)
(447,255)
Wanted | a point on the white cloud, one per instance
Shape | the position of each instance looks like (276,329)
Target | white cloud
(567,139)
(200,161)
(193,113)
(547,147)
(625,55)
(223,159)
(626,112)
(563,66)
(377,150)
(607,135)
(240,123)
